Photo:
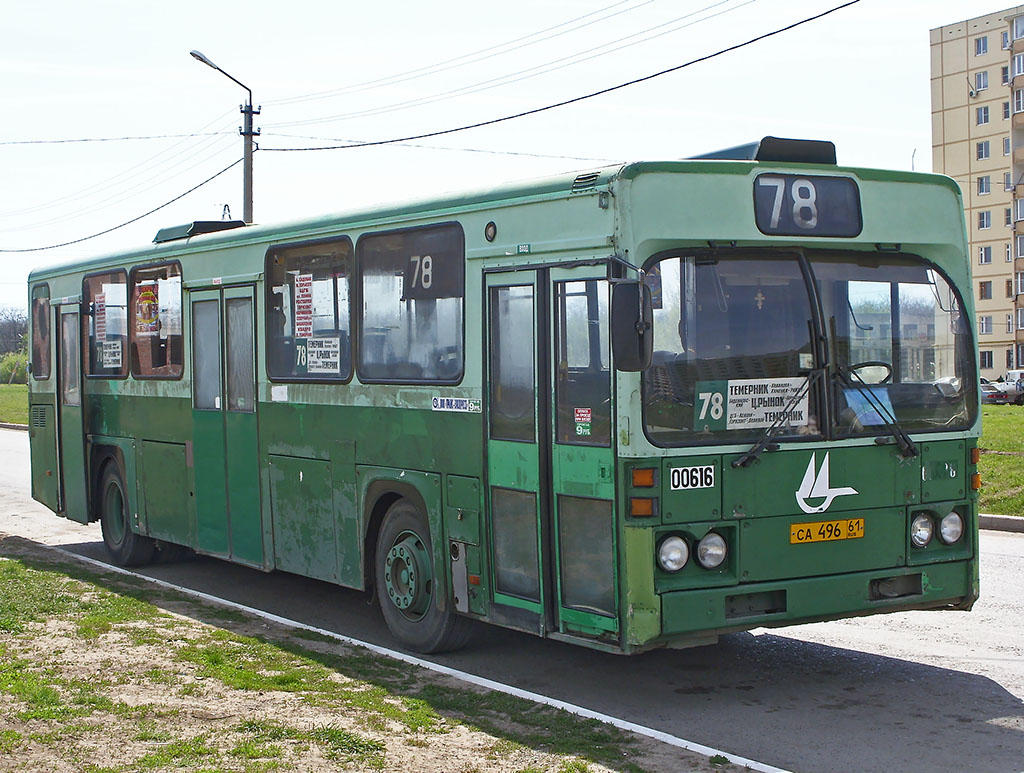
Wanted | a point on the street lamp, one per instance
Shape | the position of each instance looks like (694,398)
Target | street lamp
(247,135)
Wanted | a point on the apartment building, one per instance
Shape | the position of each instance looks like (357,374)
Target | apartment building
(977,78)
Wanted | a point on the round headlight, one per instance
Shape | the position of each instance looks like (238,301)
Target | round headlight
(711,551)
(673,554)
(921,530)
(951,528)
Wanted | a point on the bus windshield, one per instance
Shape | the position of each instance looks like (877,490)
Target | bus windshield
(733,353)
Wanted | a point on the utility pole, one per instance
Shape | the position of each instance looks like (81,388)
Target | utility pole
(247,133)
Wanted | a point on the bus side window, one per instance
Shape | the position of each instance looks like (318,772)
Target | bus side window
(412,283)
(155,322)
(105,327)
(40,332)
(309,312)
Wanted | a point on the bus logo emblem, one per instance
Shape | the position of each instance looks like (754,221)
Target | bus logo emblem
(816,486)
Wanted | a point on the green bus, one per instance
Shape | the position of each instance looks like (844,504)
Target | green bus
(630,408)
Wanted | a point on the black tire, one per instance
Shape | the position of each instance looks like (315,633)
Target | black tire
(126,547)
(406,587)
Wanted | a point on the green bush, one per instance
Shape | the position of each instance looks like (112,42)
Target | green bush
(14,368)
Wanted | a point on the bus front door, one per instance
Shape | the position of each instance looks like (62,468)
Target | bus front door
(224,437)
(73,494)
(551,526)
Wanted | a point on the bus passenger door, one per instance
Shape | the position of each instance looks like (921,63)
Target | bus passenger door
(224,438)
(73,495)
(549,450)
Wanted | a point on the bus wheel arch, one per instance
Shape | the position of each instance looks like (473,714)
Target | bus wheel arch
(406,586)
(126,547)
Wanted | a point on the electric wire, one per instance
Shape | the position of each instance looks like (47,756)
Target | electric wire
(575,100)
(105,139)
(531,72)
(449,64)
(133,220)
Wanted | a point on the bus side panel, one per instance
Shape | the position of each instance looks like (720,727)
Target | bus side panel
(43,442)
(165,488)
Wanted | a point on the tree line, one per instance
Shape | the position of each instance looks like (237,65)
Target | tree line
(13,345)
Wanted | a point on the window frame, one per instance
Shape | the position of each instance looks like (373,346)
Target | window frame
(984,254)
(85,344)
(357,302)
(353,334)
(984,324)
(984,220)
(983,150)
(48,343)
(981,45)
(981,80)
(984,185)
(985,290)
(981,115)
(985,363)
(131,326)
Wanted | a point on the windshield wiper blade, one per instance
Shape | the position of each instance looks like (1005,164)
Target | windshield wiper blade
(907,446)
(756,450)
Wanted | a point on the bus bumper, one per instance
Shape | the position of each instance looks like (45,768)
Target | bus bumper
(813,599)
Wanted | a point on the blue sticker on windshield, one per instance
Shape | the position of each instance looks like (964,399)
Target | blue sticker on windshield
(864,407)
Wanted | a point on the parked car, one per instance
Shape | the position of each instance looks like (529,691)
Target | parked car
(991,394)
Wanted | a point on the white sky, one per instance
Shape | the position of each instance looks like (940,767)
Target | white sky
(114,68)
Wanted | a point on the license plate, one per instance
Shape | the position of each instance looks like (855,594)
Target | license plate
(826,531)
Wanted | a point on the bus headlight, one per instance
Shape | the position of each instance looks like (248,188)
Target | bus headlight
(711,551)
(951,528)
(673,554)
(921,530)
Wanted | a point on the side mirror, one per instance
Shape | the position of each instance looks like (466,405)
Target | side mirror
(632,326)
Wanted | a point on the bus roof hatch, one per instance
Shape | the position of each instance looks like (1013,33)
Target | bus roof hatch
(777,149)
(194,228)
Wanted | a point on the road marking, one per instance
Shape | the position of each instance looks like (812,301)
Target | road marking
(463,676)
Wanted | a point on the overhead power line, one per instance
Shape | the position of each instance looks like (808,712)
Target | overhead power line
(109,139)
(574,100)
(134,219)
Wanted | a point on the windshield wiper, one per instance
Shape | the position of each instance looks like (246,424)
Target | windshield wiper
(907,446)
(772,431)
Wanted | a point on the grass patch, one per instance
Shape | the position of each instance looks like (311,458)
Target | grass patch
(1002,459)
(14,403)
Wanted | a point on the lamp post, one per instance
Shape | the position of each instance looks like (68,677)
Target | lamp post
(247,135)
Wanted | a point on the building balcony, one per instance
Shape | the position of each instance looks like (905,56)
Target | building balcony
(1018,120)
(1017,46)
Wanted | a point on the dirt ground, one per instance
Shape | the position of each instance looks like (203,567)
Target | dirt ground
(160,693)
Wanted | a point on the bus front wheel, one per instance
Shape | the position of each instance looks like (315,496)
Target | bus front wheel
(125,546)
(406,585)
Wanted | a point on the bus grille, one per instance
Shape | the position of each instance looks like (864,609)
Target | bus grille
(38,416)
(585,182)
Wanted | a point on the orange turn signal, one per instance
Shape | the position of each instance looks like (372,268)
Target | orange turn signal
(975,455)
(976,481)
(641,507)
(643,477)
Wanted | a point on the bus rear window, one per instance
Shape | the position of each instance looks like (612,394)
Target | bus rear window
(106,324)
(155,322)
(308,317)
(40,332)
(412,286)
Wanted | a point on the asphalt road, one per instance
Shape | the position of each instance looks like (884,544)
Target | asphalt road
(915,691)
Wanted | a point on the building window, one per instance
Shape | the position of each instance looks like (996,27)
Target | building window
(986,360)
(1007,181)
(1018,27)
(1020,282)
(983,150)
(1009,215)
(1004,75)
(981,80)
(981,115)
(1009,352)
(1020,246)
(985,290)
(1020,319)
(1018,100)
(985,325)
(1009,325)
(1006,146)
(1018,65)
(1006,40)
(981,45)
(1009,288)
(1009,253)
(984,184)
(985,221)
(985,254)
(1006,111)
(1019,204)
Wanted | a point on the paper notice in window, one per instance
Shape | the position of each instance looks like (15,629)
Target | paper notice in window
(323,355)
(110,354)
(304,306)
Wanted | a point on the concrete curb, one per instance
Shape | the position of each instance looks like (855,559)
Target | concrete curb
(1001,522)
(5,425)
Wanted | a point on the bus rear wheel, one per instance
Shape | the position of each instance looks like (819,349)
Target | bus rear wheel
(407,588)
(125,546)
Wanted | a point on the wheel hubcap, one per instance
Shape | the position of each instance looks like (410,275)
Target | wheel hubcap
(115,513)
(407,575)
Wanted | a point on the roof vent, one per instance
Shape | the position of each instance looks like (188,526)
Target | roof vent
(585,182)
(194,228)
(778,150)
